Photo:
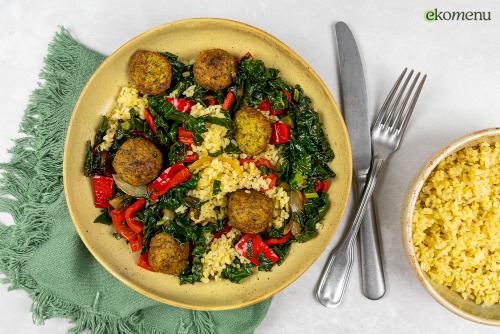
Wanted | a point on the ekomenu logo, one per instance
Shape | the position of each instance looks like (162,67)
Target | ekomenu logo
(435,14)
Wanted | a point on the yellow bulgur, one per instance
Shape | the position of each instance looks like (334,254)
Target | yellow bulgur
(456,224)
(220,254)
(247,176)
(214,139)
(127,99)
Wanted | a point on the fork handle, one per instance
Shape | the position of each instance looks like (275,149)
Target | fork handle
(375,169)
(335,276)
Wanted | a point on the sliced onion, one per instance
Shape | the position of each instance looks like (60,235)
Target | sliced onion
(296,201)
(116,202)
(296,206)
(168,215)
(296,228)
(127,188)
(287,227)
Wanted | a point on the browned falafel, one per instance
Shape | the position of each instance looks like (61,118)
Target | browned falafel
(252,130)
(214,69)
(150,72)
(166,255)
(138,161)
(249,211)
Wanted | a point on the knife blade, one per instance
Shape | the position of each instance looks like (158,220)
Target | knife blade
(355,107)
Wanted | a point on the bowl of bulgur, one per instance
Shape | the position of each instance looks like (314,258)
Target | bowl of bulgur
(451,226)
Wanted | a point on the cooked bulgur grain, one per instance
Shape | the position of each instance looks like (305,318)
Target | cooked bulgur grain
(456,224)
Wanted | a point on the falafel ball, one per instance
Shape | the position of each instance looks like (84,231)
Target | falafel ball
(250,211)
(150,72)
(214,69)
(138,161)
(252,130)
(166,255)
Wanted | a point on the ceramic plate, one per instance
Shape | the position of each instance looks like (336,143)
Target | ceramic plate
(186,38)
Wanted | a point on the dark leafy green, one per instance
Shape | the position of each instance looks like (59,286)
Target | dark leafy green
(103,218)
(101,130)
(180,81)
(264,263)
(176,153)
(89,160)
(282,250)
(97,162)
(164,111)
(216,187)
(235,274)
(314,210)
(178,67)
(232,149)
(255,82)
(309,152)
(249,248)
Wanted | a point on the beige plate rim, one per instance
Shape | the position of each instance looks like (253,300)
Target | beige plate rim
(293,54)
(407,217)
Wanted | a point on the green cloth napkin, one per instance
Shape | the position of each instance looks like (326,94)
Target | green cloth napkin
(42,252)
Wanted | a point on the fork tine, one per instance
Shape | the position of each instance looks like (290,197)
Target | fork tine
(413,102)
(388,100)
(400,112)
(394,106)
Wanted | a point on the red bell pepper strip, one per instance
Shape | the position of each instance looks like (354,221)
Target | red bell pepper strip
(228,101)
(129,213)
(149,120)
(185,136)
(321,186)
(191,158)
(259,162)
(265,105)
(257,247)
(278,241)
(139,133)
(273,178)
(144,262)
(247,55)
(170,178)
(276,112)
(288,95)
(318,186)
(225,231)
(136,243)
(165,177)
(210,100)
(103,190)
(182,105)
(326,185)
(105,162)
(280,133)
(117,219)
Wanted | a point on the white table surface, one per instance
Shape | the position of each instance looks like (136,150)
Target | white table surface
(461,96)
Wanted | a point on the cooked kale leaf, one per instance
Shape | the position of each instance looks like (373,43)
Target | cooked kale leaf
(235,274)
(264,263)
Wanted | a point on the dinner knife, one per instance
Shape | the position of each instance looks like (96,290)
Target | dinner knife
(354,102)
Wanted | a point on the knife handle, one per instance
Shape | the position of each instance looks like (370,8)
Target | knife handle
(371,267)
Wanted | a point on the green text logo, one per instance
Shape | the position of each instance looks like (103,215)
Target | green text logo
(435,14)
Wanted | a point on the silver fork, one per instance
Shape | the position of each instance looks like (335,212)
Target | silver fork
(387,131)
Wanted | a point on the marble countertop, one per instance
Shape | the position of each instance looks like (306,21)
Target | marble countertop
(461,96)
